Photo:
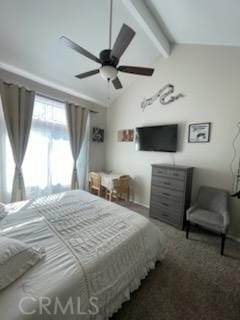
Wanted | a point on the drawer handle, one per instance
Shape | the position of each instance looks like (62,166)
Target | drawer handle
(166,194)
(165,204)
(167,183)
(164,215)
(176,174)
(160,171)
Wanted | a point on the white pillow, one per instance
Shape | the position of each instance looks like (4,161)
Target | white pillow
(3,211)
(16,258)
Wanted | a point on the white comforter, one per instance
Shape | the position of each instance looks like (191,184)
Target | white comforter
(97,253)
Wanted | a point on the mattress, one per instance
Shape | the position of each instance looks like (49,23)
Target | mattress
(96,254)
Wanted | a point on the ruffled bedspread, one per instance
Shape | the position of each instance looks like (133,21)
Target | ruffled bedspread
(112,247)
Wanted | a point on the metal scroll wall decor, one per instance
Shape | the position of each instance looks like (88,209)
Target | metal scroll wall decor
(165,96)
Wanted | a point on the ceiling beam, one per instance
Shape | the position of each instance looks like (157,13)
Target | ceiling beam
(147,21)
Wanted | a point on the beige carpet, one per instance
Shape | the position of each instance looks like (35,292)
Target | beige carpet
(193,281)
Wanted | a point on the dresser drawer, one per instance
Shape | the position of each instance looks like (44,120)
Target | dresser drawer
(168,183)
(166,216)
(168,193)
(159,171)
(178,174)
(168,172)
(166,204)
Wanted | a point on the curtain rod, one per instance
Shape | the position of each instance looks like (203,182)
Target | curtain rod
(47,97)
(42,95)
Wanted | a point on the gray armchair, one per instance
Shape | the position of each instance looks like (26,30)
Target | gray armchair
(210,212)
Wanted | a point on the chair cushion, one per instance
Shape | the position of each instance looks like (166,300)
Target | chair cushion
(207,219)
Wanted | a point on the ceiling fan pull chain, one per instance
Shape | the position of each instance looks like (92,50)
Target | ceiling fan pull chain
(110,24)
(109,92)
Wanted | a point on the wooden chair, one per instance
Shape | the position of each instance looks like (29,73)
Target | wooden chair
(121,189)
(95,183)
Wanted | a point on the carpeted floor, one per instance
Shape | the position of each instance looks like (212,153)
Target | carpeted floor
(193,281)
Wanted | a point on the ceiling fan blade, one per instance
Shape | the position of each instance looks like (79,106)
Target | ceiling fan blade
(136,70)
(87,74)
(123,40)
(117,83)
(69,43)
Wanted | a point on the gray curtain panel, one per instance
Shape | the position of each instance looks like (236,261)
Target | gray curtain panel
(77,120)
(17,105)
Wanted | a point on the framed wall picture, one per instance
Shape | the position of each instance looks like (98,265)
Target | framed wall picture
(98,135)
(199,132)
(126,135)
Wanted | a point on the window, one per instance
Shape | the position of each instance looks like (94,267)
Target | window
(47,166)
(48,162)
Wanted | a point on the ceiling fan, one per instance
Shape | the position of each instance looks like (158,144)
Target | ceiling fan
(109,58)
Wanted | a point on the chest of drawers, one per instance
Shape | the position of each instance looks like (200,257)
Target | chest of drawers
(170,193)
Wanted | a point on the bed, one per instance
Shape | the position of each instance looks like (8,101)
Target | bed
(96,254)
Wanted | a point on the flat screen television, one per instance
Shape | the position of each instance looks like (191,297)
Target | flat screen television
(158,138)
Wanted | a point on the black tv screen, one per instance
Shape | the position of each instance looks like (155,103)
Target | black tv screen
(157,138)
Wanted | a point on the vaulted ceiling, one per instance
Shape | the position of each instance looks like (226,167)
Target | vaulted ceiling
(30,29)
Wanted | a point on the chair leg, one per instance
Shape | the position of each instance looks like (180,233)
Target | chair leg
(127,197)
(187,229)
(103,191)
(223,243)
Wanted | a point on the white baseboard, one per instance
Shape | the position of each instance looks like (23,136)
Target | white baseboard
(233,238)
(141,204)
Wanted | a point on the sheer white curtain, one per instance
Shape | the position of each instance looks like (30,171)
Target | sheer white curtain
(47,166)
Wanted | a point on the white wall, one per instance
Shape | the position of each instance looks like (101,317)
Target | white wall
(97,150)
(209,76)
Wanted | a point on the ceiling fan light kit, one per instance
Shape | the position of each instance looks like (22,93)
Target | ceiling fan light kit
(109,58)
(108,72)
